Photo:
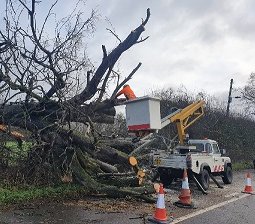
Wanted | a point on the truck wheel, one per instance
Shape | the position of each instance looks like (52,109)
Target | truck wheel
(204,178)
(165,177)
(227,175)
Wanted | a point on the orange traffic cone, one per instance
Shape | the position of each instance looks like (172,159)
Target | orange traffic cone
(185,196)
(248,188)
(160,213)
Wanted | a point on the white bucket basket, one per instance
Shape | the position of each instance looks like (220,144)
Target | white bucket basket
(143,113)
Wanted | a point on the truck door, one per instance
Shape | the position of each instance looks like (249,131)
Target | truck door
(218,165)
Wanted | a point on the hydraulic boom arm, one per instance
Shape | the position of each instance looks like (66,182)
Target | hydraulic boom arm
(184,118)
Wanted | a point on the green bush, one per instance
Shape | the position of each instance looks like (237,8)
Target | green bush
(242,165)
(14,152)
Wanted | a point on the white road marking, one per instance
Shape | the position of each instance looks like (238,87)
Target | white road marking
(208,209)
(232,195)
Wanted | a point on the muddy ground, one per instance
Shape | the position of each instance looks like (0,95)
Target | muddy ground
(125,211)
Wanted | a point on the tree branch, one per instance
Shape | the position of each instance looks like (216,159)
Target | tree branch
(108,62)
(114,34)
(125,80)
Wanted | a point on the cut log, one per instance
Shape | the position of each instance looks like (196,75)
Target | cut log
(113,157)
(115,192)
(132,181)
(106,167)
(123,145)
(115,174)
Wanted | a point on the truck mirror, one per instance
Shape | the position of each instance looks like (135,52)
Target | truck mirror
(223,151)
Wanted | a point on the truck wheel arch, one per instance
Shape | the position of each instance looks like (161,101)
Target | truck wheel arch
(205,166)
(226,164)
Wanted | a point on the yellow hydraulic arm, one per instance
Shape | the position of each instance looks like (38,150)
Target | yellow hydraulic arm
(186,117)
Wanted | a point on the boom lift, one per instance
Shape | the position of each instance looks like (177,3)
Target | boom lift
(183,118)
(202,158)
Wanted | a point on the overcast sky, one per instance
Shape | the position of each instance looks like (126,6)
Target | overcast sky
(200,44)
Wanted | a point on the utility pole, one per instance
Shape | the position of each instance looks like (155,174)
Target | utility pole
(229,97)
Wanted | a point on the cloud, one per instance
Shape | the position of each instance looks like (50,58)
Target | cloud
(200,44)
(196,43)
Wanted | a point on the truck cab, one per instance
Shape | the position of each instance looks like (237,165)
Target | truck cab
(206,145)
(202,158)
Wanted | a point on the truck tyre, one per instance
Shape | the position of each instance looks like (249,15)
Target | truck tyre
(204,179)
(227,175)
(165,177)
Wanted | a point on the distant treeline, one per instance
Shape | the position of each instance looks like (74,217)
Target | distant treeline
(235,133)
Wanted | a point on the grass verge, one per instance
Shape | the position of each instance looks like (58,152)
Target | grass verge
(242,165)
(14,195)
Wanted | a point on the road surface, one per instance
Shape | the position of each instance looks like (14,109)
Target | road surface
(234,206)
(238,211)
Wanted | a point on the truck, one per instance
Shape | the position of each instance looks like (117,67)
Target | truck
(202,158)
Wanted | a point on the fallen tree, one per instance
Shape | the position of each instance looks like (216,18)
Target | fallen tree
(38,76)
